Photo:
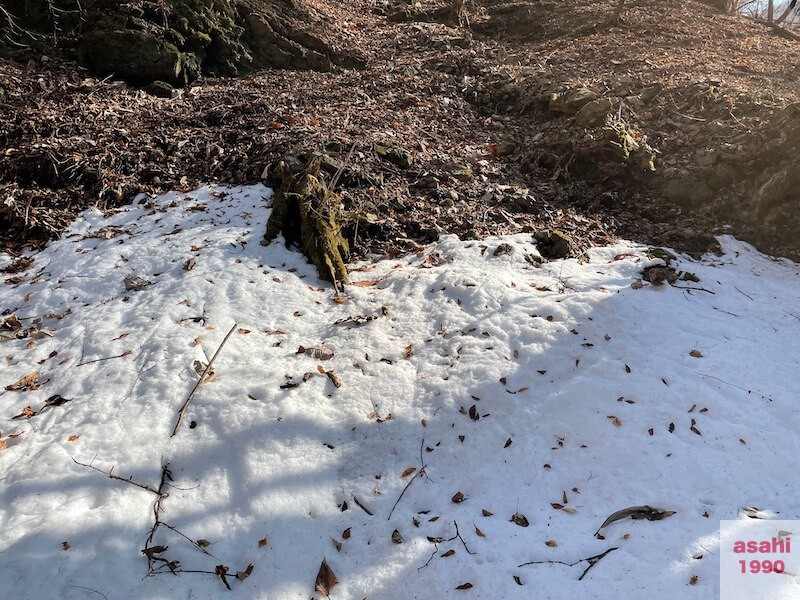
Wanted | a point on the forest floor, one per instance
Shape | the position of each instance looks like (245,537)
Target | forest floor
(470,105)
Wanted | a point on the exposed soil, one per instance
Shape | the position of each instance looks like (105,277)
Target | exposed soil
(703,96)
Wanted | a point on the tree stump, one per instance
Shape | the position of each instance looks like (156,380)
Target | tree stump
(307,213)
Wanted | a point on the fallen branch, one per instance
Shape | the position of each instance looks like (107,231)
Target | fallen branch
(421,472)
(592,560)
(408,485)
(129,480)
(362,507)
(200,381)
(96,360)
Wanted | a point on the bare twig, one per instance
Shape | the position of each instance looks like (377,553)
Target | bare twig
(200,381)
(592,560)
(419,473)
(362,507)
(128,480)
(96,360)
(458,535)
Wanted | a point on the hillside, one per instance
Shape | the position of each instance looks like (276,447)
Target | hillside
(489,115)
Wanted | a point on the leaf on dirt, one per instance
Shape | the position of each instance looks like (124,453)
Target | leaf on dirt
(458,497)
(478,532)
(29,383)
(464,586)
(409,351)
(637,513)
(551,543)
(397,538)
(242,575)
(408,471)
(696,354)
(321,353)
(473,413)
(519,519)
(326,579)
(448,554)
(73,438)
(262,542)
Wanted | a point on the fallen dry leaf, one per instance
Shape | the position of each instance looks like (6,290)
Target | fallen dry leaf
(551,543)
(28,383)
(464,586)
(326,579)
(242,575)
(408,471)
(72,438)
(696,354)
(262,542)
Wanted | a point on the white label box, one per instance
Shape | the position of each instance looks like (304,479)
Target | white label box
(759,559)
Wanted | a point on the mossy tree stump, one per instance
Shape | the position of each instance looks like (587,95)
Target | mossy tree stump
(307,213)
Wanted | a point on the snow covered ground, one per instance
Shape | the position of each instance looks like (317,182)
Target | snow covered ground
(539,399)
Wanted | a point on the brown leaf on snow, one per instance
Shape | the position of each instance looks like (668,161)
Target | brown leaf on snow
(326,579)
(473,413)
(153,550)
(478,532)
(262,542)
(26,413)
(464,586)
(242,575)
(408,471)
(409,351)
(203,543)
(458,497)
(519,519)
(448,554)
(29,383)
(72,438)
(337,544)
(486,513)
(509,441)
(243,331)
(551,543)
(696,354)
(65,545)
(556,505)
(693,580)
(317,353)
(346,534)
(3,444)
(335,380)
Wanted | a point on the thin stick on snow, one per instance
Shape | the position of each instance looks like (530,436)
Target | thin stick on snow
(127,480)
(592,560)
(96,360)
(200,381)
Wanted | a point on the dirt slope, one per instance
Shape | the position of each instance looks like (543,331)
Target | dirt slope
(540,115)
